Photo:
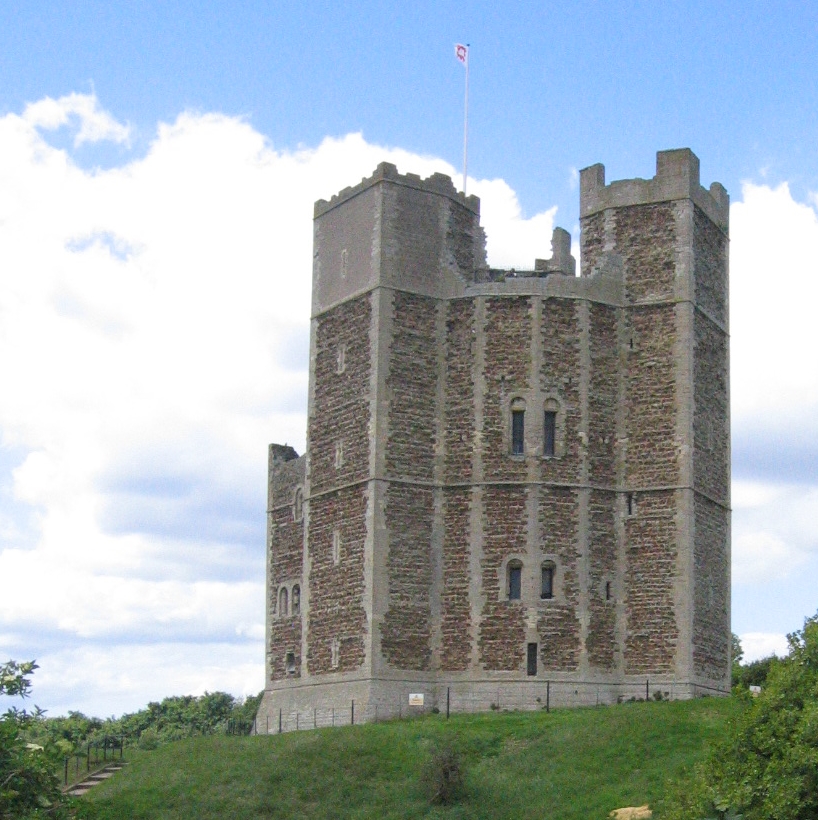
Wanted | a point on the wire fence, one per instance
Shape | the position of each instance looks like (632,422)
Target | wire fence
(467,698)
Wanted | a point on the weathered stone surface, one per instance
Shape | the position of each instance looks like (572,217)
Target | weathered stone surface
(407,627)
(337,608)
(601,641)
(459,428)
(455,616)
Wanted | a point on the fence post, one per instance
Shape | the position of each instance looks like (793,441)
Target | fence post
(547,696)
(353,713)
(647,689)
(297,715)
(447,703)
(333,717)
(314,718)
(268,723)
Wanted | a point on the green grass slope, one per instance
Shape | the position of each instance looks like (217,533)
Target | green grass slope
(569,764)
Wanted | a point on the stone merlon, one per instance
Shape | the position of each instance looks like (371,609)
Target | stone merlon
(677,177)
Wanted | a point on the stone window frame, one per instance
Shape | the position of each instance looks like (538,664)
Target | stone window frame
(630,504)
(295,600)
(289,662)
(283,609)
(552,403)
(335,653)
(339,454)
(607,590)
(291,590)
(341,358)
(551,561)
(298,504)
(545,565)
(515,561)
(517,407)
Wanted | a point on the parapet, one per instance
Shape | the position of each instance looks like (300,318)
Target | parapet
(677,177)
(437,183)
(561,263)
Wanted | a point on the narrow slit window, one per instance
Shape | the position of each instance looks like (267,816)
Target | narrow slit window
(282,602)
(629,503)
(607,590)
(517,432)
(298,504)
(341,358)
(515,581)
(547,581)
(296,600)
(336,547)
(335,653)
(549,433)
(289,662)
(532,659)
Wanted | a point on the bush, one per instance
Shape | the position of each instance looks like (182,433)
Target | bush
(443,776)
(766,767)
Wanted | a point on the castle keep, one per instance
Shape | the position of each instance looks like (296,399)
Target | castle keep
(517,483)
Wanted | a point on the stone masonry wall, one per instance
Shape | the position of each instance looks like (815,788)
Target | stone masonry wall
(406,629)
(560,378)
(507,368)
(650,554)
(340,412)
(455,621)
(558,621)
(459,409)
(502,624)
(652,449)
(601,640)
(646,238)
(336,590)
(592,242)
(710,253)
(412,388)
(711,467)
(711,625)
(603,396)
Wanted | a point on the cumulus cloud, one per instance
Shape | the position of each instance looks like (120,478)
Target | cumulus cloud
(92,123)
(153,339)
(757,645)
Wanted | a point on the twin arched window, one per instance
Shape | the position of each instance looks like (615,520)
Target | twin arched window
(514,580)
(284,601)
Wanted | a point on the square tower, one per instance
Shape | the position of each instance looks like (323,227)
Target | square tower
(516,483)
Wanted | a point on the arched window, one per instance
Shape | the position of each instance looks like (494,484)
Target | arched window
(296,600)
(514,580)
(518,427)
(547,572)
(282,602)
(289,662)
(298,504)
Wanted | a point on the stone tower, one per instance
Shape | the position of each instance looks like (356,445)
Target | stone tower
(517,483)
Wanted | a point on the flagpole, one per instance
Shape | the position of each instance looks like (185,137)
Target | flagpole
(466,125)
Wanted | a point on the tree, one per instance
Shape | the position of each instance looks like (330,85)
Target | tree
(766,767)
(29,788)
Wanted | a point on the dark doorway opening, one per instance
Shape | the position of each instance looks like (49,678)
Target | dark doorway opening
(532,659)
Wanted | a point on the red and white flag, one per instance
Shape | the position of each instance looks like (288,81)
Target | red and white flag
(462,53)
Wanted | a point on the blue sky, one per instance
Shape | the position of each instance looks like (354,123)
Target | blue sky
(158,163)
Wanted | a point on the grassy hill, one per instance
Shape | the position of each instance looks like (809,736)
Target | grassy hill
(577,763)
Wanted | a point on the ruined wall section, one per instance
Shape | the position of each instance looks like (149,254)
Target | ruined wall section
(502,625)
(338,432)
(558,623)
(507,374)
(337,611)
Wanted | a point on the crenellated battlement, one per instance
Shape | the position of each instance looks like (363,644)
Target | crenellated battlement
(677,177)
(437,183)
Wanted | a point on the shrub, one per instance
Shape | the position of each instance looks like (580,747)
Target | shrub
(443,776)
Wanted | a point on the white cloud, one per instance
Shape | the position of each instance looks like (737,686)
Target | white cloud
(757,645)
(94,124)
(153,340)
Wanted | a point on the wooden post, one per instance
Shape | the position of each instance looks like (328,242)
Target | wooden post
(447,703)
(547,696)
(353,713)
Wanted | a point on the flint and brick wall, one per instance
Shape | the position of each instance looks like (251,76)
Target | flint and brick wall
(340,412)
(601,640)
(455,605)
(711,625)
(650,574)
(558,621)
(502,625)
(337,591)
(646,239)
(507,369)
(560,374)
(407,625)
(459,409)
(710,271)
(603,395)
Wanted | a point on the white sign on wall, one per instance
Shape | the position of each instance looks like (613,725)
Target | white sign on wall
(416,699)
